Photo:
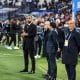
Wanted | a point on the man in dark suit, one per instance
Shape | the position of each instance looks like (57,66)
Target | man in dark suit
(28,44)
(71,50)
(51,50)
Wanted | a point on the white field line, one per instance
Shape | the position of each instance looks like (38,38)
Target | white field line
(9,54)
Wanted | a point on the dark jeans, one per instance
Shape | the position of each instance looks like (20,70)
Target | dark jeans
(30,53)
(71,71)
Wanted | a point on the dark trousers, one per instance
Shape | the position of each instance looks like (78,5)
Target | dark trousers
(28,53)
(13,39)
(71,71)
(44,49)
(52,66)
(38,46)
(19,38)
(7,37)
(1,35)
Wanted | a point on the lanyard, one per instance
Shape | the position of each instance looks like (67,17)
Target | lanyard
(68,37)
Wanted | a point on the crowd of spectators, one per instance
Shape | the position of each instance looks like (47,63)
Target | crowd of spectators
(62,13)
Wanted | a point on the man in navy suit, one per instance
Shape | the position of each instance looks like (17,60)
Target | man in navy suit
(71,50)
(51,50)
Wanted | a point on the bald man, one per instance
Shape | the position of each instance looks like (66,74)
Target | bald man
(71,50)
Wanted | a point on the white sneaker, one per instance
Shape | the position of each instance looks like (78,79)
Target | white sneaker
(16,47)
(9,47)
(36,56)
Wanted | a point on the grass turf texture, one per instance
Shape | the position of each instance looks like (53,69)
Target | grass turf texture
(11,62)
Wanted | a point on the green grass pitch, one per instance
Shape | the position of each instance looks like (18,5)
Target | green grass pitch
(11,62)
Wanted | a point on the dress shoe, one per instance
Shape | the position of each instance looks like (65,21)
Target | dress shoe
(24,70)
(45,75)
(31,72)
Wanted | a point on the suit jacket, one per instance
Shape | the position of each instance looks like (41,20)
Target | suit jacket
(51,43)
(61,38)
(28,41)
(70,53)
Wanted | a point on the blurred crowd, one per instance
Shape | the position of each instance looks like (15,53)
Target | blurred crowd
(34,34)
(41,35)
(37,4)
(10,30)
(57,6)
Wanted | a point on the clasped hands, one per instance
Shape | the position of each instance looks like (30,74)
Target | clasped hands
(24,34)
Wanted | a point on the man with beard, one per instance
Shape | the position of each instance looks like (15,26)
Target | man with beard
(28,44)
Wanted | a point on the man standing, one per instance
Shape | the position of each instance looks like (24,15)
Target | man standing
(51,50)
(71,50)
(12,34)
(28,44)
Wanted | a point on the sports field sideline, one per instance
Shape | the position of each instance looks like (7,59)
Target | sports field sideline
(11,62)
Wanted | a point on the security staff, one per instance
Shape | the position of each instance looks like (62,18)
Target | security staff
(28,44)
(71,50)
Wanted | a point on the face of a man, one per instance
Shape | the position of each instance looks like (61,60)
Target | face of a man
(47,25)
(71,25)
(29,19)
(11,20)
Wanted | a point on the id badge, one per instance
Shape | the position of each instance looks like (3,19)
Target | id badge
(66,43)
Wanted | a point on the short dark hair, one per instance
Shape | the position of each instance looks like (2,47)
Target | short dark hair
(53,24)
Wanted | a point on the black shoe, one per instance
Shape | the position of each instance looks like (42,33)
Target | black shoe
(31,72)
(24,70)
(54,78)
(48,78)
(45,75)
